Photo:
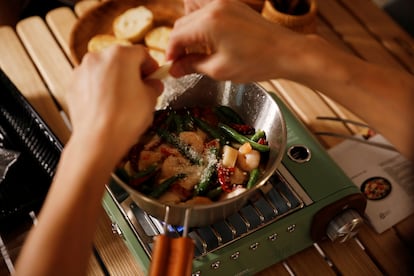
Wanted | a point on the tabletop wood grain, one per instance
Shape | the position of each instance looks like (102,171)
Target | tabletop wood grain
(36,56)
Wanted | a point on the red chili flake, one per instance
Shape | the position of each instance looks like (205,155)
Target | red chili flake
(210,117)
(243,129)
(215,143)
(224,175)
(262,141)
(205,114)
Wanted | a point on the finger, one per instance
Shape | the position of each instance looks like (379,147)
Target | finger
(186,65)
(149,65)
(157,85)
(192,5)
(184,41)
(180,37)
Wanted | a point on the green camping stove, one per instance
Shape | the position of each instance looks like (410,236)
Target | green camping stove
(307,199)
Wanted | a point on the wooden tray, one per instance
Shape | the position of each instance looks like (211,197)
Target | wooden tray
(99,20)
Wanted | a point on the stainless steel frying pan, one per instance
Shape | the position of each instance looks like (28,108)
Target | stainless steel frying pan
(255,106)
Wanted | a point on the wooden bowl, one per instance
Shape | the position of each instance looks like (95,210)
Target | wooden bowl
(305,23)
(99,20)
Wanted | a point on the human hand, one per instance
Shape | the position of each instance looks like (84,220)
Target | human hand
(109,102)
(192,5)
(241,45)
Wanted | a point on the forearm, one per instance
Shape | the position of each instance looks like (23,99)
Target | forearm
(380,95)
(64,233)
(109,107)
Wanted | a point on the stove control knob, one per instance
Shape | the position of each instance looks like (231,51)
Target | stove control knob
(344,226)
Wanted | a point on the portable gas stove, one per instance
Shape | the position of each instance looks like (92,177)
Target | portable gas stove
(307,199)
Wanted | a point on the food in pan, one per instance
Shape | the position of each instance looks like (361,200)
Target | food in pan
(195,156)
(135,26)
(376,188)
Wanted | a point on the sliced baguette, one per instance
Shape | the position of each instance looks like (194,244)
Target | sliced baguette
(133,24)
(162,72)
(102,41)
(159,56)
(158,38)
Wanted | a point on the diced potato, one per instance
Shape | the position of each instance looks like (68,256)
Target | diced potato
(245,148)
(229,156)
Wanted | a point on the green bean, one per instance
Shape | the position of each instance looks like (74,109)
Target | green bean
(259,134)
(188,122)
(213,194)
(210,130)
(165,185)
(142,176)
(179,122)
(228,114)
(145,172)
(243,139)
(254,176)
(208,171)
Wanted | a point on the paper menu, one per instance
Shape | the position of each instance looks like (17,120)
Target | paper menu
(388,173)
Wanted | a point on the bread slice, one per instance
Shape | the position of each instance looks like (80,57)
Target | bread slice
(162,72)
(133,24)
(158,38)
(102,41)
(159,56)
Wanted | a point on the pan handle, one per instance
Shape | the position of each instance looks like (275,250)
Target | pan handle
(172,256)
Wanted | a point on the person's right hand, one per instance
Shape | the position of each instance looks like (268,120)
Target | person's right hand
(237,43)
(192,5)
(110,102)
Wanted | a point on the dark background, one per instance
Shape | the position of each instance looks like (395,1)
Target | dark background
(41,7)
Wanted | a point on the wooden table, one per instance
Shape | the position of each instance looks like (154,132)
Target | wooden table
(35,55)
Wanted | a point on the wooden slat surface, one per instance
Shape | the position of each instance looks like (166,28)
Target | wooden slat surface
(382,248)
(405,231)
(308,105)
(319,265)
(349,258)
(47,56)
(354,34)
(355,26)
(385,30)
(113,250)
(83,6)
(61,21)
(16,63)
